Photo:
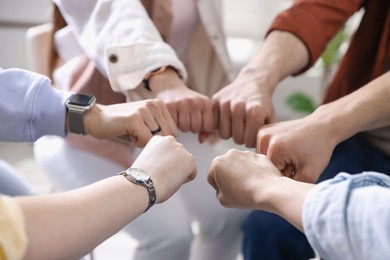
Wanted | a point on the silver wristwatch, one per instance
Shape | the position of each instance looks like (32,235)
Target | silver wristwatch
(77,105)
(140,177)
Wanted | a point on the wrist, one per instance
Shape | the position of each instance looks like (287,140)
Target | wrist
(128,191)
(77,105)
(267,79)
(162,78)
(336,126)
(141,178)
(91,119)
(286,198)
(271,195)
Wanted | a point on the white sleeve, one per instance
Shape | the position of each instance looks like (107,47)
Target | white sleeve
(121,38)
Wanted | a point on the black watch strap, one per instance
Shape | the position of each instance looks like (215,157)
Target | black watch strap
(145,81)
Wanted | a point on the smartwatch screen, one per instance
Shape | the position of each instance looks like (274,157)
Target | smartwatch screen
(81,100)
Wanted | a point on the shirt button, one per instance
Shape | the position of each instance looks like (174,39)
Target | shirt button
(113,58)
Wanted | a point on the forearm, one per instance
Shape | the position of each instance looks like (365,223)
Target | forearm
(281,55)
(62,225)
(286,198)
(365,109)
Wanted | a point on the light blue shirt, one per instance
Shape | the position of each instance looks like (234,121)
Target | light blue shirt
(29,106)
(348,217)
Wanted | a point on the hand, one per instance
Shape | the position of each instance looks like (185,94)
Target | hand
(136,120)
(241,108)
(169,164)
(242,179)
(190,110)
(300,148)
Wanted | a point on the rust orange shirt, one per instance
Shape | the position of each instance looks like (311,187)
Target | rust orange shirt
(315,22)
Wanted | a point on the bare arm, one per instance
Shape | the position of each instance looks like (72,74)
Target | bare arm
(290,145)
(261,185)
(246,104)
(282,54)
(365,109)
(68,225)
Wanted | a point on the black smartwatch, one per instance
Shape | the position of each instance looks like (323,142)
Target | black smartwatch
(77,105)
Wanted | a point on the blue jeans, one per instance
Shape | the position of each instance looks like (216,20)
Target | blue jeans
(268,236)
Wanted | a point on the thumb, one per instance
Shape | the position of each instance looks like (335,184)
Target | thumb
(305,175)
(202,137)
(288,171)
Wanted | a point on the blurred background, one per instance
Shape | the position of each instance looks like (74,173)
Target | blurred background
(245,22)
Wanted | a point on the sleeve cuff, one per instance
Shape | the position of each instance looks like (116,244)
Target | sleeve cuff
(128,65)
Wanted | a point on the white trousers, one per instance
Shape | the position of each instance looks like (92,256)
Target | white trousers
(190,225)
(12,182)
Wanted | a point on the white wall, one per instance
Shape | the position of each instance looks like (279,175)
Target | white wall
(246,22)
(15,17)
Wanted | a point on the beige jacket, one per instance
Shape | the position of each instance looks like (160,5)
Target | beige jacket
(124,29)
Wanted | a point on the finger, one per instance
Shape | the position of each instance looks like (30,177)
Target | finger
(225,121)
(165,121)
(173,112)
(262,143)
(304,176)
(208,118)
(211,181)
(238,122)
(253,124)
(148,119)
(123,138)
(288,171)
(141,134)
(170,121)
(202,137)
(216,114)
(184,120)
(196,121)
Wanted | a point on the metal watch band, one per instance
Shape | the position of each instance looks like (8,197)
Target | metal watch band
(152,193)
(76,124)
(77,105)
(148,184)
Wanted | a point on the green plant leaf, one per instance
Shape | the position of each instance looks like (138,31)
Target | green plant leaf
(300,102)
(332,53)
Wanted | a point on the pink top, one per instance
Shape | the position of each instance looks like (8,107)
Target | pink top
(184,21)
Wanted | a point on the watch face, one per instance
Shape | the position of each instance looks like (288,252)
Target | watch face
(138,175)
(81,100)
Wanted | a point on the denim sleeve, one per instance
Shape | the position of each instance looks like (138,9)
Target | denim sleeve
(348,216)
(29,106)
